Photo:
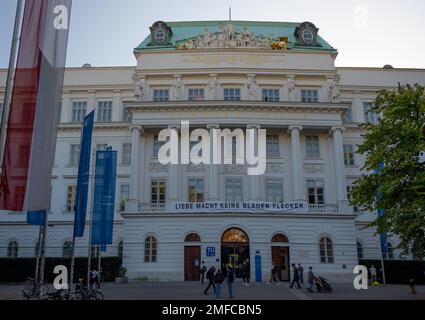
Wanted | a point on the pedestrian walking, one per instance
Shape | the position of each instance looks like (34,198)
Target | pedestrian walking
(245,273)
(295,277)
(94,278)
(274,277)
(210,278)
(301,273)
(310,279)
(203,271)
(230,281)
(373,274)
(218,280)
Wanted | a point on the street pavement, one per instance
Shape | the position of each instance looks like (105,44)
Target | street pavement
(256,291)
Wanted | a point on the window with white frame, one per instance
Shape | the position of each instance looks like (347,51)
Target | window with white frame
(124,195)
(315,192)
(161,95)
(274,190)
(326,250)
(369,114)
(151,247)
(13,249)
(79,109)
(126,154)
(347,115)
(158,191)
(104,111)
(313,147)
(196,94)
(71,196)
(196,190)
(271,95)
(233,189)
(126,115)
(349,158)
(309,95)
(232,94)
(272,143)
(74,155)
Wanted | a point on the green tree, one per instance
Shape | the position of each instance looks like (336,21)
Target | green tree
(396,142)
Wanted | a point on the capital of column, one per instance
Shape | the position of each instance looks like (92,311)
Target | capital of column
(138,128)
(253,126)
(213,126)
(292,128)
(174,127)
(336,129)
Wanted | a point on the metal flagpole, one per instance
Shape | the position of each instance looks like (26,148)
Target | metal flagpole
(43,248)
(37,265)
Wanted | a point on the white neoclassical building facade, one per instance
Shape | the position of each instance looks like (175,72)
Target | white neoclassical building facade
(276,76)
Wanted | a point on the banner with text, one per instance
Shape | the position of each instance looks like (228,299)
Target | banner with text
(298,207)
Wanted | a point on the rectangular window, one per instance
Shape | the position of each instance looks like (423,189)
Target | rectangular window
(349,155)
(370,115)
(71,195)
(126,154)
(271,95)
(196,94)
(126,115)
(156,146)
(79,109)
(196,190)
(350,192)
(233,190)
(273,146)
(232,94)
(124,195)
(158,191)
(104,111)
(315,192)
(313,147)
(274,190)
(309,96)
(74,157)
(161,95)
(347,116)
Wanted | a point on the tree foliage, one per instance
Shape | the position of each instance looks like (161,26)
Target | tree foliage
(398,188)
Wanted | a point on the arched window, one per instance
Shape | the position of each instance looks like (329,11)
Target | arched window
(359,251)
(12,250)
(193,237)
(67,249)
(326,250)
(120,249)
(390,252)
(235,236)
(150,249)
(281,238)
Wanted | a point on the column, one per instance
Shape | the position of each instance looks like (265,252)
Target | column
(255,181)
(357,108)
(174,185)
(297,164)
(117,106)
(135,163)
(213,170)
(341,183)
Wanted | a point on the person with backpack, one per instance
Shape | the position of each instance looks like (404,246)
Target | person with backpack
(295,277)
(210,278)
(218,280)
(230,281)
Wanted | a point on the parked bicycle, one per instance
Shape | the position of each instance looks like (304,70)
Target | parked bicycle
(34,289)
(87,293)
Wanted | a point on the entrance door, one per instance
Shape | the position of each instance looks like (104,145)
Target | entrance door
(280,256)
(236,256)
(192,263)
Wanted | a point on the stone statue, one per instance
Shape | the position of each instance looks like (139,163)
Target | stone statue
(246,37)
(291,87)
(253,88)
(140,86)
(208,38)
(212,86)
(200,42)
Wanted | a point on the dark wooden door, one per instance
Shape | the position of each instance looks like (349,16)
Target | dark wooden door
(280,256)
(192,263)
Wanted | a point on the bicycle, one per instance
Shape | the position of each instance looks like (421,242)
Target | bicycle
(34,289)
(85,293)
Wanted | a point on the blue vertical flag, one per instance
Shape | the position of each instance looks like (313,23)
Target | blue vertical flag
(381,212)
(83,177)
(104,198)
(36,218)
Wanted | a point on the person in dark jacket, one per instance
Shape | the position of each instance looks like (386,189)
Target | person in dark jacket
(218,280)
(210,278)
(230,281)
(295,277)
(203,271)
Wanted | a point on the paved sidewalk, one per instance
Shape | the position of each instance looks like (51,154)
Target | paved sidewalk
(257,291)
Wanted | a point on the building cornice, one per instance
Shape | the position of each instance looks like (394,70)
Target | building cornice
(64,127)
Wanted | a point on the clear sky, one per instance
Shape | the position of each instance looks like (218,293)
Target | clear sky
(366,32)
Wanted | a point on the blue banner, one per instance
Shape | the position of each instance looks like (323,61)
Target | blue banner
(36,218)
(381,212)
(104,198)
(83,177)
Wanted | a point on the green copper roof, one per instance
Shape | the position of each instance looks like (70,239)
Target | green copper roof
(188,30)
